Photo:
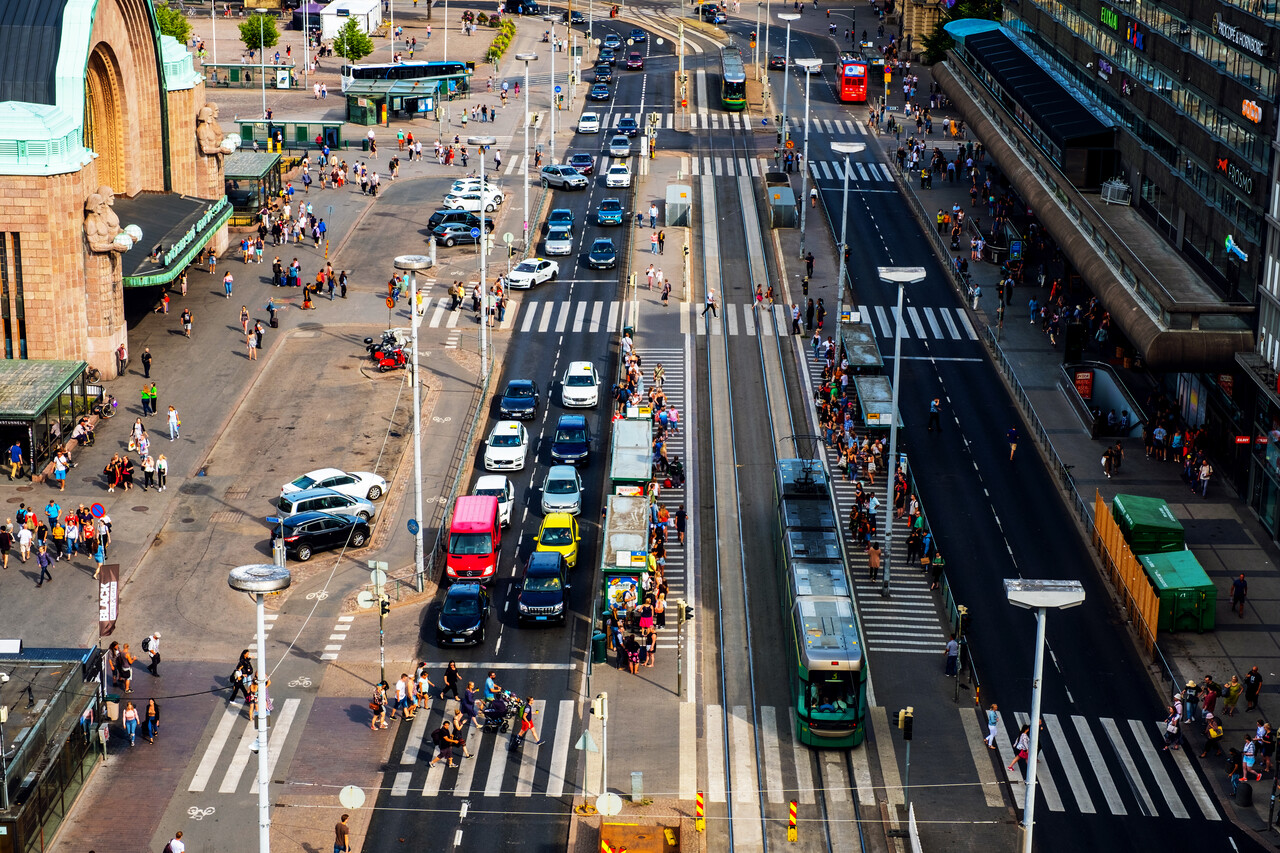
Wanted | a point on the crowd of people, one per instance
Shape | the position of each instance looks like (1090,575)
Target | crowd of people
(55,536)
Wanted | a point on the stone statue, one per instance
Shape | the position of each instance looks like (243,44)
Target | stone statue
(101,225)
(213,142)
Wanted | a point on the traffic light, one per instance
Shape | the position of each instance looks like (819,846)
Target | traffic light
(385,605)
(684,612)
(905,720)
(600,707)
(753,35)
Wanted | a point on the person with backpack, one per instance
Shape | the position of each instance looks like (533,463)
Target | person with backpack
(151,645)
(444,740)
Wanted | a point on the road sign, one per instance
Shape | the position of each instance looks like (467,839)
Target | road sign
(365,599)
(378,578)
(508,238)
(557,90)
(608,804)
(98,510)
(1015,250)
(413,527)
(586,743)
(351,797)
(475,233)
(791,143)
(391,302)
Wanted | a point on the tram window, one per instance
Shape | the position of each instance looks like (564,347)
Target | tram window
(831,694)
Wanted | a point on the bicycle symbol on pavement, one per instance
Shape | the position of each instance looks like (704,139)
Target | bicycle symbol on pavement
(197,813)
(318,595)
(303,681)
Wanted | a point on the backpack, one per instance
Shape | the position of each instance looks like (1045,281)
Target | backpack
(146,645)
(438,737)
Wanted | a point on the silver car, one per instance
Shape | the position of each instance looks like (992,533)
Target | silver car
(620,146)
(562,490)
(323,500)
(559,242)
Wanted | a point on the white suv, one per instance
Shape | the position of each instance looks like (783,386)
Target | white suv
(580,386)
(507,447)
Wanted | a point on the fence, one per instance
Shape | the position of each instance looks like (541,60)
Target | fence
(1137,596)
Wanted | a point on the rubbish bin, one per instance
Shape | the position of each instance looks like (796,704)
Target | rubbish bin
(1244,794)
(364,144)
(599,648)
(113,706)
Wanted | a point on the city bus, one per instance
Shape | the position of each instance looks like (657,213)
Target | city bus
(733,80)
(410,71)
(828,667)
(852,73)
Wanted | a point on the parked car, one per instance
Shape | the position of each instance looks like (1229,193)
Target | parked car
(360,484)
(454,233)
(501,488)
(563,177)
(473,201)
(464,615)
(322,500)
(449,217)
(307,533)
(542,590)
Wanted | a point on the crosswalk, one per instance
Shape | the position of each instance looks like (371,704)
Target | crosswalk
(234,735)
(716,120)
(827,171)
(676,566)
(942,324)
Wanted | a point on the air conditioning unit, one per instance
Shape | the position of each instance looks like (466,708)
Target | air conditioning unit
(1116,191)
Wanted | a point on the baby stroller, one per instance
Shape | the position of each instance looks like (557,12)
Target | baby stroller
(499,713)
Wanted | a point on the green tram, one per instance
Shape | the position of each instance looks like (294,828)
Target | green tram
(733,80)
(828,664)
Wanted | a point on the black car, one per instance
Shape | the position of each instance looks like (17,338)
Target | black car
(778,62)
(572,440)
(574,18)
(627,126)
(308,532)
(520,400)
(523,7)
(599,92)
(606,55)
(463,615)
(462,217)
(584,163)
(603,255)
(542,589)
(603,73)
(638,35)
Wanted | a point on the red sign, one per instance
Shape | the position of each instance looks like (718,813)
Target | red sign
(108,598)
(1084,383)
(1242,439)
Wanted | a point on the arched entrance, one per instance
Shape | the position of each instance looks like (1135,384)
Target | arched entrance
(103,119)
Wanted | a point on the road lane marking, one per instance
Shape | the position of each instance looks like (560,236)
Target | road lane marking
(205,769)
(560,749)
(715,754)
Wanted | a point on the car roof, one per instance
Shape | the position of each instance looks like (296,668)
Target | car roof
(321,473)
(492,481)
(572,420)
(303,494)
(556,210)
(600,240)
(520,383)
(605,201)
(619,167)
(506,427)
(543,560)
(464,590)
(304,517)
(566,472)
(626,120)
(557,519)
(580,366)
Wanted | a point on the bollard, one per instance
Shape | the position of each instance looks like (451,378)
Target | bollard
(700,814)
(791,822)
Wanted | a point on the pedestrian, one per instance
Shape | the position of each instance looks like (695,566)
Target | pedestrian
(15,460)
(124,668)
(1239,592)
(452,678)
(666,293)
(1252,687)
(378,705)
(1012,437)
(1213,736)
(993,723)
(162,472)
(130,718)
(653,243)
(526,725)
(873,561)
(444,740)
(1172,729)
(251,343)
(795,319)
(808,264)
(662,241)
(1231,695)
(469,703)
(1249,754)
(174,424)
(228,281)
(6,544)
(186,322)
(682,520)
(1021,746)
(146,355)
(952,653)
(342,834)
(244,319)
(653,216)
(151,645)
(400,700)
(44,560)
(152,721)
(710,304)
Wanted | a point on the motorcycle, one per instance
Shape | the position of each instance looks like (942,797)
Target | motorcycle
(388,353)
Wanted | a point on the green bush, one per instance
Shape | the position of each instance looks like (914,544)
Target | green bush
(501,41)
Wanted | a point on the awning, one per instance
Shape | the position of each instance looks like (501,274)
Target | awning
(28,386)
(249,165)
(180,225)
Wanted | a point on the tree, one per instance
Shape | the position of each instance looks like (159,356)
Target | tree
(352,43)
(258,32)
(173,23)
(937,43)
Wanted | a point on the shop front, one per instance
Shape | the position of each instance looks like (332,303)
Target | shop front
(40,402)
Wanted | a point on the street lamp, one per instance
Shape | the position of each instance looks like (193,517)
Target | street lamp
(482,143)
(902,276)
(1038,595)
(526,58)
(259,580)
(786,72)
(551,143)
(766,50)
(845,148)
(411,264)
(810,66)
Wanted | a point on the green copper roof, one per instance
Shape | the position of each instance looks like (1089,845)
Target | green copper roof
(179,70)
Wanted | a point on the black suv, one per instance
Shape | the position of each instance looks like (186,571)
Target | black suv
(542,590)
(309,532)
(459,217)
(520,400)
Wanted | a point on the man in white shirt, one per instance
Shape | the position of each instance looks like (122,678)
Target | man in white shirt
(152,647)
(176,845)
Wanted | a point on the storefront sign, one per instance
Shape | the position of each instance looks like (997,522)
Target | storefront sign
(195,231)
(1084,384)
(1133,35)
(1251,111)
(108,598)
(1242,179)
(1233,34)
(1234,249)
(1242,439)
(1109,17)
(1105,68)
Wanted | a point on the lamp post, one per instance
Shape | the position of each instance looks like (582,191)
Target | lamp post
(551,143)
(901,276)
(262,69)
(445,27)
(761,73)
(259,580)
(1040,596)
(482,143)
(411,264)
(845,148)
(766,50)
(526,58)
(810,66)
(786,73)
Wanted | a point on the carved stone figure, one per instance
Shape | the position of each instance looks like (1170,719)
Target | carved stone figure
(101,225)
(209,133)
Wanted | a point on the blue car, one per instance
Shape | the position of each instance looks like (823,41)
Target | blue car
(520,400)
(560,217)
(603,255)
(572,441)
(610,212)
(638,35)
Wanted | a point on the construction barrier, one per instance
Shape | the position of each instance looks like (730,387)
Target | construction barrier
(1137,595)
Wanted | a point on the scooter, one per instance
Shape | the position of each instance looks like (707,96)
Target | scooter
(388,358)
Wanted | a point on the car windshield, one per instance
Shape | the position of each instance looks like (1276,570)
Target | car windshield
(602,247)
(470,544)
(611,205)
(580,380)
(519,391)
(560,216)
(575,434)
(618,170)
(500,494)
(458,605)
(526,266)
(506,439)
(626,122)
(556,536)
(560,235)
(547,584)
(561,487)
(303,482)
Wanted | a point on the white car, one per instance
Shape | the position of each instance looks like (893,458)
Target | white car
(562,490)
(470,185)
(507,447)
(532,271)
(620,146)
(618,176)
(589,123)
(559,242)
(810,68)
(580,385)
(499,487)
(473,200)
(358,484)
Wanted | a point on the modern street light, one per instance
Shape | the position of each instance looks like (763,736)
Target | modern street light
(761,71)
(411,264)
(786,74)
(526,58)
(482,143)
(1040,596)
(901,276)
(260,580)
(551,143)
(766,50)
(845,148)
(810,66)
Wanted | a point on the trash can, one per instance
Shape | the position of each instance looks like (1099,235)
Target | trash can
(1244,794)
(113,706)
(599,648)
(364,144)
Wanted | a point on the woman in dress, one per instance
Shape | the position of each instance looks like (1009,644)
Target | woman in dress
(124,668)
(379,706)
(162,472)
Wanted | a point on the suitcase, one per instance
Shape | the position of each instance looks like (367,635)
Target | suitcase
(275,323)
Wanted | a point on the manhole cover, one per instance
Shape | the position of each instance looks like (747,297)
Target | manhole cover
(14,500)
(140,508)
(26,488)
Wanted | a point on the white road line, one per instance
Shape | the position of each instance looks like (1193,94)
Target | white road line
(400,787)
(684,318)
(1015,778)
(915,321)
(1044,778)
(1163,783)
(452,322)
(497,765)
(529,761)
(1075,781)
(1122,752)
(742,166)
(529,316)
(438,314)
(688,754)
(435,776)
(239,760)
(413,749)
(749,320)
(976,738)
(563,319)
(715,754)
(578,317)
(205,768)
(545,323)
(951,326)
(897,319)
(560,749)
(933,322)
(597,308)
(883,317)
(746,812)
(968,327)
(328,656)
(467,766)
(613,317)
(826,170)
(279,733)
(731,318)
(862,170)
(1100,771)
(772,754)
(1193,783)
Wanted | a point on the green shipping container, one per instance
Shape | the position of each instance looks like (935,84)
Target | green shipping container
(1188,599)
(1148,524)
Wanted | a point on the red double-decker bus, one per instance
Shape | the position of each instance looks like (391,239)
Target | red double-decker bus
(852,71)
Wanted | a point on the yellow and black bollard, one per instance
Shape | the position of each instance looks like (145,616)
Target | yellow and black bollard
(700,814)
(791,822)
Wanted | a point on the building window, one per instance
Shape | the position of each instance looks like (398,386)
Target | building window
(19,299)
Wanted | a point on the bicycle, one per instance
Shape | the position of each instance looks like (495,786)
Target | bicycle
(106,410)
(93,375)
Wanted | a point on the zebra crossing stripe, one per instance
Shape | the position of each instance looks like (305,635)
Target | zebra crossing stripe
(563,319)
(560,749)
(400,787)
(529,316)
(862,171)
(239,760)
(438,314)
(884,321)
(715,754)
(467,766)
(968,327)
(529,758)
(1122,752)
(933,323)
(804,768)
(1044,778)
(1069,768)
(1198,792)
(210,758)
(452,322)
(1163,783)
(1110,794)
(279,733)
(548,309)
(772,753)
(613,318)
(731,319)
(915,321)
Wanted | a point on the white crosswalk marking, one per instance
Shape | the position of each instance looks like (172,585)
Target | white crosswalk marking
(209,761)
(467,766)
(1142,734)
(899,321)
(1197,790)
(596,309)
(550,309)
(933,323)
(1122,752)
(1044,778)
(529,759)
(613,318)
(714,740)
(1075,782)
(279,734)
(560,749)
(731,319)
(1091,750)
(400,788)
(578,317)
(883,317)
(915,321)
(772,754)
(862,170)
(563,319)
(239,760)
(497,763)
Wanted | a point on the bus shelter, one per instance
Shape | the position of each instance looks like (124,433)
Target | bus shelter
(631,454)
(372,102)
(240,75)
(252,179)
(860,348)
(875,401)
(290,132)
(624,553)
(40,402)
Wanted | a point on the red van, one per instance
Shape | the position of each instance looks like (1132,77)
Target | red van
(474,539)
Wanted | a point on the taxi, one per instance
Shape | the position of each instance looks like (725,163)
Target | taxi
(559,533)
(507,447)
(580,386)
